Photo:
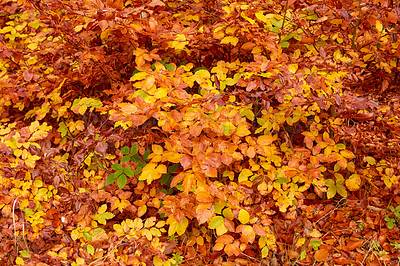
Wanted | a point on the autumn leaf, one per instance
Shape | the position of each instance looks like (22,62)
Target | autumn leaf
(247,233)
(321,255)
(243,216)
(152,172)
(353,183)
(204,212)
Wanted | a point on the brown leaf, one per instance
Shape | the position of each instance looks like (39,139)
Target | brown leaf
(169,247)
(354,244)
(28,75)
(101,148)
(321,255)
(259,230)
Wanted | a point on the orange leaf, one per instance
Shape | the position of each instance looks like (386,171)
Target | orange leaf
(233,249)
(186,162)
(218,246)
(188,183)
(204,212)
(225,239)
(321,255)
(204,197)
(247,233)
(259,230)
(265,140)
(353,183)
(142,210)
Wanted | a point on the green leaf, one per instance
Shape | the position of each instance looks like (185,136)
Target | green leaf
(128,171)
(24,254)
(173,168)
(216,222)
(98,230)
(134,149)
(111,179)
(90,249)
(303,255)
(315,244)
(63,129)
(136,158)
(164,179)
(121,181)
(288,37)
(125,150)
(169,67)
(282,180)
(117,167)
(126,158)
(87,236)
(146,154)
(284,44)
(119,172)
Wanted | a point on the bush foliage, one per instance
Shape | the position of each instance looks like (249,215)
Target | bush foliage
(189,132)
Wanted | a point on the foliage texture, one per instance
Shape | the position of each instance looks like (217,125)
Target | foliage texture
(189,132)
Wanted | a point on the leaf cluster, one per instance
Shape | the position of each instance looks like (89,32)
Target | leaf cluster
(236,132)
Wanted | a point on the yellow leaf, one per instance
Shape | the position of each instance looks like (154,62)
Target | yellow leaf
(242,131)
(152,172)
(244,216)
(347,154)
(264,252)
(293,68)
(181,227)
(379,26)
(244,175)
(230,39)
(300,242)
(158,262)
(354,182)
(259,15)
(19,261)
(80,261)
(157,149)
(138,76)
(315,233)
(102,209)
(221,230)
(161,93)
(180,38)
(30,161)
(171,156)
